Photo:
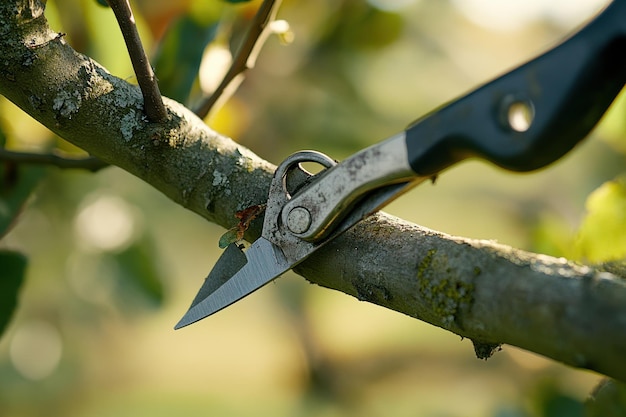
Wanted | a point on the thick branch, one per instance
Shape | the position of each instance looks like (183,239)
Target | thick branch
(484,291)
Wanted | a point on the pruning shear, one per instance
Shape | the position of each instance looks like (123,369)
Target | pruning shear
(521,121)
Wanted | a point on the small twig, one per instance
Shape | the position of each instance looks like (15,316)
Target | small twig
(153,103)
(246,55)
(55,159)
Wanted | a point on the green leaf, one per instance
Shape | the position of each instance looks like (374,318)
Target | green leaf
(180,53)
(103,3)
(139,274)
(237,1)
(13,267)
(17,182)
(602,235)
(231,236)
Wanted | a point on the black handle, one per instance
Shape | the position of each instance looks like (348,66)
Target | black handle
(534,114)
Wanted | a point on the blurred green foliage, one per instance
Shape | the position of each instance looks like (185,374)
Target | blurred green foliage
(139,274)
(179,55)
(17,183)
(13,267)
(550,401)
(602,234)
(357,71)
(607,400)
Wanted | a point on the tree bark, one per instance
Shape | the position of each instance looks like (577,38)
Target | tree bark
(487,292)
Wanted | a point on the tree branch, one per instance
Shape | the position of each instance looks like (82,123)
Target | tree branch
(89,163)
(245,58)
(153,104)
(487,292)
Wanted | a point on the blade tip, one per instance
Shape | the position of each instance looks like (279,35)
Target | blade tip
(183,323)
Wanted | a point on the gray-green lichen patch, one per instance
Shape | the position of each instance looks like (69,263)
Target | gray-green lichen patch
(219,179)
(91,85)
(118,96)
(29,11)
(246,159)
(95,79)
(67,102)
(241,160)
(445,292)
(129,124)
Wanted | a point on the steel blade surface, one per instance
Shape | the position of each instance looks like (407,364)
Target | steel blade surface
(265,262)
(228,264)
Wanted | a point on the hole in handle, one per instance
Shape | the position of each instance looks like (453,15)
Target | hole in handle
(518,113)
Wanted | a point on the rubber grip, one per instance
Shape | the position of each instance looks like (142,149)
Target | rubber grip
(533,115)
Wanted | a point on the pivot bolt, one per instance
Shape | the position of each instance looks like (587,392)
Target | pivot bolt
(299,220)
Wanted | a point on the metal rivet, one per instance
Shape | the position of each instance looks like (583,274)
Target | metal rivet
(299,220)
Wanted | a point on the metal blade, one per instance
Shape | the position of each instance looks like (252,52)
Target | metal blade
(229,263)
(265,261)
(237,274)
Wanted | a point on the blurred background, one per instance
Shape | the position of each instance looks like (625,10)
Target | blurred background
(113,264)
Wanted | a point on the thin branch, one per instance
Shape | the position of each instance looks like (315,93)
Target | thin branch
(55,159)
(153,103)
(245,57)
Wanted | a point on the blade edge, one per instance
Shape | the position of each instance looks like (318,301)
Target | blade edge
(265,262)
